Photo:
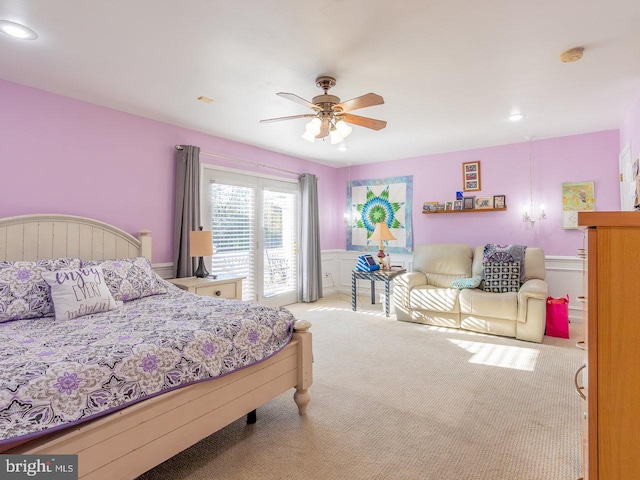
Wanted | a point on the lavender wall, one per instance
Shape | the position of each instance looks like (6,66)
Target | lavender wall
(630,129)
(66,156)
(505,170)
(61,155)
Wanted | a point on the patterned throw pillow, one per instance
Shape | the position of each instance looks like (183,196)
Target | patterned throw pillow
(473,282)
(505,254)
(501,277)
(130,278)
(79,292)
(23,291)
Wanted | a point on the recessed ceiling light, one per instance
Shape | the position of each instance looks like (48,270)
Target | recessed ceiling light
(17,31)
(516,117)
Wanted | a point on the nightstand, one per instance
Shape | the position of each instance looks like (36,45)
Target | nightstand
(224,286)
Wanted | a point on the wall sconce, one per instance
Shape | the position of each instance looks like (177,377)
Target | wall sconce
(529,212)
(531,218)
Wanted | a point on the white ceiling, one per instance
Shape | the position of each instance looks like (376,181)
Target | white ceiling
(450,71)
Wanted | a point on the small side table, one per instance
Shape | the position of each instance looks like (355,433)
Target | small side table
(224,286)
(378,275)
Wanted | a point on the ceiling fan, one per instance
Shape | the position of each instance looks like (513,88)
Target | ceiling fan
(330,115)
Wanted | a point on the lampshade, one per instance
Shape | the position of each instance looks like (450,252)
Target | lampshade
(335,136)
(382,233)
(343,129)
(201,243)
(309,136)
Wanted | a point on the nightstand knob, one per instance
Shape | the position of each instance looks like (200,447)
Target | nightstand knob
(218,293)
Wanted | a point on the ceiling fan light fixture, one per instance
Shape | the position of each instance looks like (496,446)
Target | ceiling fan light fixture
(335,136)
(343,129)
(309,136)
(331,116)
(313,127)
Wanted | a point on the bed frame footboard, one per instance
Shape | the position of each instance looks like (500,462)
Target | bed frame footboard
(131,441)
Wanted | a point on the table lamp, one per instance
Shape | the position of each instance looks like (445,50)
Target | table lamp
(381,233)
(201,245)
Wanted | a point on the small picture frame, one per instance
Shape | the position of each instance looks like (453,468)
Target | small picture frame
(448,206)
(499,201)
(457,205)
(468,203)
(484,203)
(471,176)
(429,206)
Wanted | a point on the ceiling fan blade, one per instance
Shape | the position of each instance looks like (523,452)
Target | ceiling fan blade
(297,99)
(324,128)
(367,100)
(279,119)
(367,122)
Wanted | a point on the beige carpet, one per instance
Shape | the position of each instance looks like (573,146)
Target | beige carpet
(396,400)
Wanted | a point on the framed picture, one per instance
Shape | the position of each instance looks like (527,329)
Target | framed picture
(576,197)
(484,202)
(457,205)
(429,206)
(468,203)
(448,206)
(471,176)
(499,201)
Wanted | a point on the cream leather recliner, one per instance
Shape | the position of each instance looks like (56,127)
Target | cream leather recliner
(425,295)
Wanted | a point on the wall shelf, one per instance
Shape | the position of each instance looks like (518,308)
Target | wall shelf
(469,210)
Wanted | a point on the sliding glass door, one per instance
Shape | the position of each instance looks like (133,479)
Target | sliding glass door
(254,221)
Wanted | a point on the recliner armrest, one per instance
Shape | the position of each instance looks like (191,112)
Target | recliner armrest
(402,285)
(410,280)
(531,289)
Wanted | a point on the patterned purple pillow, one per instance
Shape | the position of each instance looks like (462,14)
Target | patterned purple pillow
(23,291)
(130,278)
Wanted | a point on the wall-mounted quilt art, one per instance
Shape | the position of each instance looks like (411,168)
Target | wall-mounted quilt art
(381,200)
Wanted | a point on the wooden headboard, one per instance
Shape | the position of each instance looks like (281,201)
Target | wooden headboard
(42,236)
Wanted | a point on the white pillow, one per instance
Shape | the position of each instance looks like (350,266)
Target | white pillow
(79,292)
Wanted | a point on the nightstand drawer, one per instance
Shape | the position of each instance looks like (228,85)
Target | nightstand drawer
(225,286)
(220,290)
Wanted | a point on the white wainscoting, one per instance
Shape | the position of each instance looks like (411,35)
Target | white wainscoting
(564,276)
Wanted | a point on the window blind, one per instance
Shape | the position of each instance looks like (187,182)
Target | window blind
(232,221)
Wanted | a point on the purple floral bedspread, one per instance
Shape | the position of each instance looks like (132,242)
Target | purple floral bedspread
(57,373)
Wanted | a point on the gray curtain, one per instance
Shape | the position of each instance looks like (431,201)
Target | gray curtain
(187,213)
(311,264)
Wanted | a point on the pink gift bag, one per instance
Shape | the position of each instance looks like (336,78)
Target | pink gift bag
(558,317)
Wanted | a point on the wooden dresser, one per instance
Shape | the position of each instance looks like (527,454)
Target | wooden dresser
(611,375)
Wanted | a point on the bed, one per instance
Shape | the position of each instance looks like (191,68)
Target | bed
(124,442)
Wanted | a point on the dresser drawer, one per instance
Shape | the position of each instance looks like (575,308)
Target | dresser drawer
(220,290)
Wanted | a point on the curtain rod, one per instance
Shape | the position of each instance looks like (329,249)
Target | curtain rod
(233,159)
